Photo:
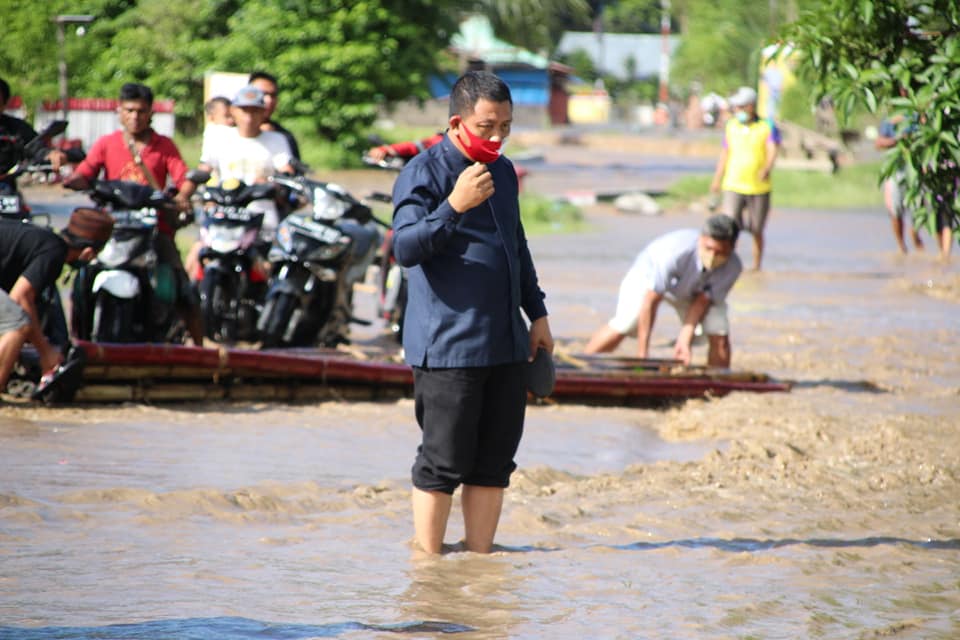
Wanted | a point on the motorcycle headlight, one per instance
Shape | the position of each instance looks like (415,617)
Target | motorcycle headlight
(285,238)
(327,206)
(224,238)
(334,250)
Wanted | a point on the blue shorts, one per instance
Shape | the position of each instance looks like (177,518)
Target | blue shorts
(472,421)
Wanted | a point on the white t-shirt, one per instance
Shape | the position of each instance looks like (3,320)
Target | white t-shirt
(670,265)
(213,135)
(251,160)
(248,159)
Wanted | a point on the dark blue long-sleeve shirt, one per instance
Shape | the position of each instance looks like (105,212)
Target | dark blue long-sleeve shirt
(469,275)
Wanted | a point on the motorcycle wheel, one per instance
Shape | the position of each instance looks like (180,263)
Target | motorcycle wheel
(81,316)
(215,307)
(277,312)
(112,319)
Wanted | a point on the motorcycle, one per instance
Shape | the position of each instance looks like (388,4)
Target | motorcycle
(125,294)
(233,283)
(392,285)
(321,250)
(18,159)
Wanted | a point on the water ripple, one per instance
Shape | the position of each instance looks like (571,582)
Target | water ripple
(223,627)
(739,545)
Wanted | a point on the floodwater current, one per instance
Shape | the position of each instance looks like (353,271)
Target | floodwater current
(831,511)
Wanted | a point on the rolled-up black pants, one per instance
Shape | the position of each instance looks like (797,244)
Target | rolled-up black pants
(472,421)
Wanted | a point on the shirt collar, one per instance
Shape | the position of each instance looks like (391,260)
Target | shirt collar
(452,154)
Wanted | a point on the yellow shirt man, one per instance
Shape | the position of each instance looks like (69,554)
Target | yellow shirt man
(743,170)
(747,149)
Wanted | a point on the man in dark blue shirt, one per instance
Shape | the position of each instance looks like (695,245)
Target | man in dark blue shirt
(457,231)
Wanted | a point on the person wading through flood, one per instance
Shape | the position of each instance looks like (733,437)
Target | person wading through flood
(457,231)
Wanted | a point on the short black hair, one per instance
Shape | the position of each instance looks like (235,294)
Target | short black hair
(4,90)
(263,75)
(721,227)
(136,91)
(473,86)
(212,102)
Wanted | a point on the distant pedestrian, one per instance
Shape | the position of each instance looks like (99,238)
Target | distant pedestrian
(750,147)
(891,130)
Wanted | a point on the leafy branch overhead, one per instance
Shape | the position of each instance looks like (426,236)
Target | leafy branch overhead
(899,58)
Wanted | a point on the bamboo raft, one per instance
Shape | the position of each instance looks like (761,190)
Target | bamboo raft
(168,373)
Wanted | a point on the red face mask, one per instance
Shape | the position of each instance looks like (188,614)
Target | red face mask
(478,149)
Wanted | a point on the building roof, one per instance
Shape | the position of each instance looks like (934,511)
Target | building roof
(610,52)
(477,40)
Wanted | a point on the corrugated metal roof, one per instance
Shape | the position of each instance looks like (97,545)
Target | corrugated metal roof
(611,51)
(477,40)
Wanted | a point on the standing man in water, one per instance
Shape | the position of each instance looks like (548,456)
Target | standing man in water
(457,230)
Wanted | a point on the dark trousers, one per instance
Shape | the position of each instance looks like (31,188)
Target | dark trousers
(472,421)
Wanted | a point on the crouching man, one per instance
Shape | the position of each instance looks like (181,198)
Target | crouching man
(693,271)
(31,259)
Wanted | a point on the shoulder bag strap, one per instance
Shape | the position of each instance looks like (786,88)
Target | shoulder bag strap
(138,160)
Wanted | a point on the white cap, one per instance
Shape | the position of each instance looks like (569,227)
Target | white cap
(743,97)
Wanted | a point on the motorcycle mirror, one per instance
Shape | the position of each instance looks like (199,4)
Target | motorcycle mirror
(299,167)
(198,176)
(52,130)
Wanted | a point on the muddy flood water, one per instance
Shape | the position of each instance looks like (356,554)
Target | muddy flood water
(832,511)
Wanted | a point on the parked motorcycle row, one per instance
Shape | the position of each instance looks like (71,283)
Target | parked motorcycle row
(288,288)
(289,285)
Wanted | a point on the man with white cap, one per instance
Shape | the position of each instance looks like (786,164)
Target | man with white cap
(249,154)
(31,258)
(246,153)
(750,148)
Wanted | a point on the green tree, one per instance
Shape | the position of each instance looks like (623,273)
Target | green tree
(30,50)
(866,54)
(338,60)
(166,44)
(634,16)
(533,24)
(720,44)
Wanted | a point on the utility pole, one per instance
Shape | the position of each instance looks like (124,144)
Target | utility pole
(663,98)
(61,20)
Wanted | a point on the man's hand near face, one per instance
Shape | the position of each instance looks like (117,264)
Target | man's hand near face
(473,187)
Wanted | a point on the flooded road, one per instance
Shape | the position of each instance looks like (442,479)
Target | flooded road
(832,511)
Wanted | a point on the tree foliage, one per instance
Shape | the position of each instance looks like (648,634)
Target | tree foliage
(721,43)
(536,25)
(866,54)
(336,60)
(634,16)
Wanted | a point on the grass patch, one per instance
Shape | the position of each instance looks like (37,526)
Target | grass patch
(850,188)
(541,215)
